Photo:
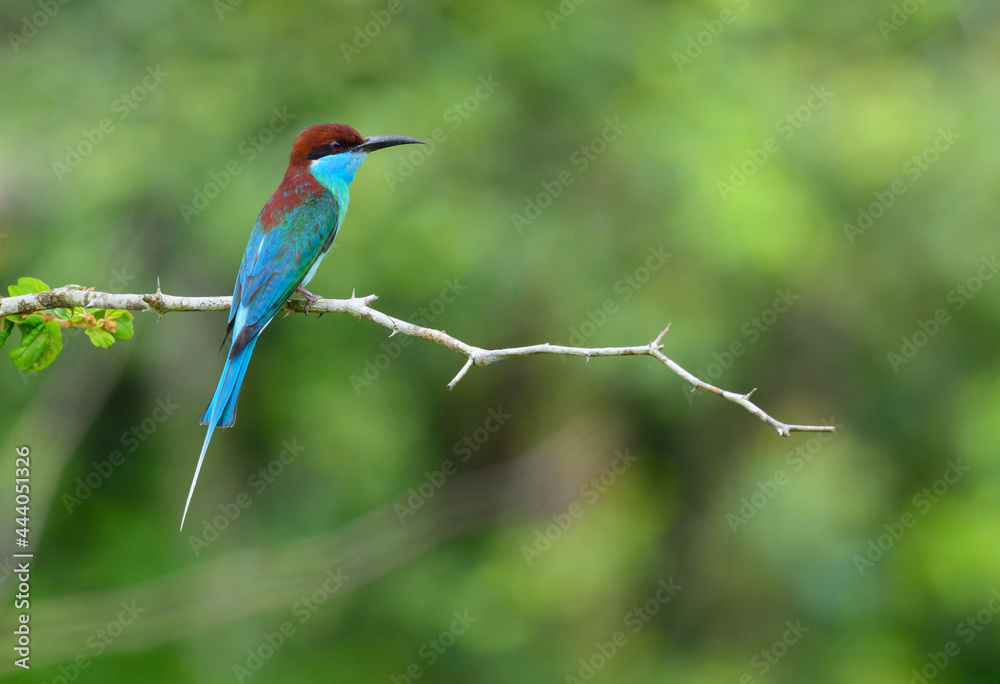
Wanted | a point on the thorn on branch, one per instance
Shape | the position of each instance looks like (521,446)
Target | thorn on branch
(659,338)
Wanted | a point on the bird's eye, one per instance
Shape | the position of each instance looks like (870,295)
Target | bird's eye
(335,144)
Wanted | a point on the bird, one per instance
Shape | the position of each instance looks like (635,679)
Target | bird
(293,233)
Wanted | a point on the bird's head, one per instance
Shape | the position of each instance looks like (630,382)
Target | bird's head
(334,151)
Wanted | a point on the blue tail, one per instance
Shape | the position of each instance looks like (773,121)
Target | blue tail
(221,411)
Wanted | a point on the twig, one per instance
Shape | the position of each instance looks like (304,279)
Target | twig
(361,308)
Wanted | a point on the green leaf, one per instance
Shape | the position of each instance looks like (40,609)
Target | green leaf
(6,328)
(62,312)
(27,286)
(78,314)
(123,328)
(100,337)
(41,342)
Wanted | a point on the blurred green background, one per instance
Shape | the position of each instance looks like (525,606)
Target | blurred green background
(823,178)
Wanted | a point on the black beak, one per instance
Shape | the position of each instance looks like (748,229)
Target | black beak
(377,142)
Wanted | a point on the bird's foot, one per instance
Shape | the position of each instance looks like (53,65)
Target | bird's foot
(310,297)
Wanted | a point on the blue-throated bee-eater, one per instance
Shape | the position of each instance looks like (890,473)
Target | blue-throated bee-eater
(294,231)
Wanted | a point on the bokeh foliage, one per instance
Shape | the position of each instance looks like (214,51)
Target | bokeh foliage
(845,267)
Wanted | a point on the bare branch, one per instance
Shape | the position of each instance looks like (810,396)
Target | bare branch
(72,296)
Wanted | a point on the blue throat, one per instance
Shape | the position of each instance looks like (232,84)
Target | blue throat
(336,171)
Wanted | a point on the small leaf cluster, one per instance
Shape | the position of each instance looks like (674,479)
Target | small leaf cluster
(41,331)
